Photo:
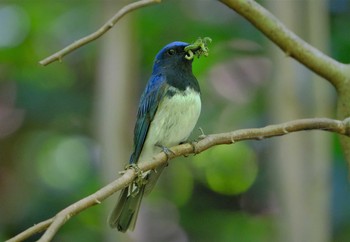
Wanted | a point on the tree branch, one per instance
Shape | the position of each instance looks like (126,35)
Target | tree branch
(335,72)
(338,74)
(207,141)
(91,37)
(35,229)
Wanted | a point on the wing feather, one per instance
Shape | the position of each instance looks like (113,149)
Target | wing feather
(154,92)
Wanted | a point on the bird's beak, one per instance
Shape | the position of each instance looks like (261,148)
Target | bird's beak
(198,48)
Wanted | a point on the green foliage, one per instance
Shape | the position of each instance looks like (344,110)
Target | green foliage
(228,170)
(49,154)
(230,226)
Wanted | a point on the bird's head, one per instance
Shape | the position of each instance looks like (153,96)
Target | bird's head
(171,55)
(180,54)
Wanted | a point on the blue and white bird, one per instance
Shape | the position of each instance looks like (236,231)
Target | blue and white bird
(168,111)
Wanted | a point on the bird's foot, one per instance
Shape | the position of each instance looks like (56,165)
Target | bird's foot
(167,151)
(131,166)
(139,180)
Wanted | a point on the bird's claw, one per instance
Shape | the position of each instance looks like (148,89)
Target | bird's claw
(139,181)
(135,167)
(168,152)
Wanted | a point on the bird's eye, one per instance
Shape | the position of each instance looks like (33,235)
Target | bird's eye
(171,52)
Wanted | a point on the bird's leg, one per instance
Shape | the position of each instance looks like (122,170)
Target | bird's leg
(135,186)
(193,142)
(167,152)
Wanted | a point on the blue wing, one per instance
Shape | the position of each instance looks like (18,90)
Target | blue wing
(152,95)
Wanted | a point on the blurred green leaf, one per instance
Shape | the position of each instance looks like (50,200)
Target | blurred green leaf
(228,170)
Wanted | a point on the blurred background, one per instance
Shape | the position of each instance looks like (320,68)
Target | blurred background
(66,129)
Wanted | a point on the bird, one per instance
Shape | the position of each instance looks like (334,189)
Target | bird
(168,111)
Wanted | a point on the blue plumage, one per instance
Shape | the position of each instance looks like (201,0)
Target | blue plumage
(168,111)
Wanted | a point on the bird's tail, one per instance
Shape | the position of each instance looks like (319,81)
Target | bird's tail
(124,214)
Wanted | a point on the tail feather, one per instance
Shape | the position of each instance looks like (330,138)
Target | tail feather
(124,215)
(152,178)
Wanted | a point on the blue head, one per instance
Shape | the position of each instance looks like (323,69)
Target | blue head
(172,56)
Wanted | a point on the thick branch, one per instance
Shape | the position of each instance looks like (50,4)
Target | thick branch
(336,73)
(207,141)
(91,37)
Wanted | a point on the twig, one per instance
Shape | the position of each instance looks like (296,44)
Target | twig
(208,141)
(37,228)
(107,26)
(63,216)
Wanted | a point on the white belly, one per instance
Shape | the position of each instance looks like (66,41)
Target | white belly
(174,121)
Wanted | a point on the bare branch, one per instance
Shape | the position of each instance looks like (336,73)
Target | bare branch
(207,141)
(91,37)
(37,228)
(335,72)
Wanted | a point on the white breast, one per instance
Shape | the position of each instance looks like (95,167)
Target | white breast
(174,121)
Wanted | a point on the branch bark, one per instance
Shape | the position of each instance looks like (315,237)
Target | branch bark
(52,225)
(333,71)
(91,37)
(336,73)
(35,229)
